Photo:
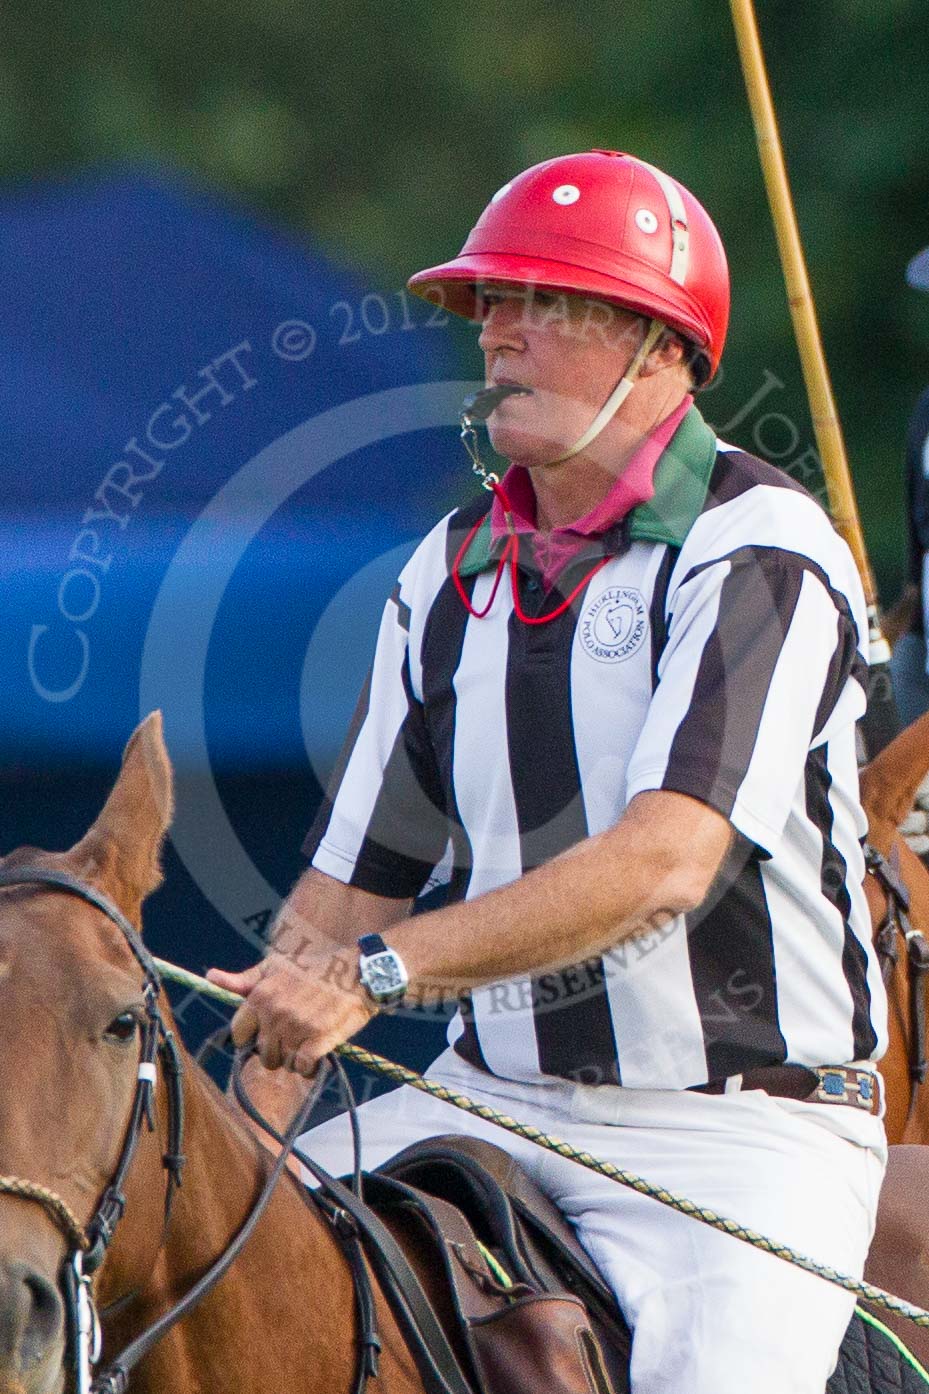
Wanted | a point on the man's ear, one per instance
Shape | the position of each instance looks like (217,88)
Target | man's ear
(121,853)
(669,352)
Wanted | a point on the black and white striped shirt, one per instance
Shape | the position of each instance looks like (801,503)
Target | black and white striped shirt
(719,653)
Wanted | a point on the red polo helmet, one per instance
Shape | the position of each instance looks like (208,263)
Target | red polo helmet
(604,225)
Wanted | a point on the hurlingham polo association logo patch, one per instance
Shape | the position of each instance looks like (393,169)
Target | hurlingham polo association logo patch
(614,626)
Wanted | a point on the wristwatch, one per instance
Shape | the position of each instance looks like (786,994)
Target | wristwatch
(381,971)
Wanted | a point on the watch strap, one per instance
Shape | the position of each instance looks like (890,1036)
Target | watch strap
(371,944)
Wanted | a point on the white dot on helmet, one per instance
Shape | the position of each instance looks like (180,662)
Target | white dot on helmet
(646,221)
(566,193)
(500,192)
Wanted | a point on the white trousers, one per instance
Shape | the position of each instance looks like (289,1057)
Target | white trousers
(709,1314)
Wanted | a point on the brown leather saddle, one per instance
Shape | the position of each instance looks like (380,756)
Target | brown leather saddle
(510,1303)
(519,1301)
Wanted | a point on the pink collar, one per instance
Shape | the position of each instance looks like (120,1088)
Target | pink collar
(634,486)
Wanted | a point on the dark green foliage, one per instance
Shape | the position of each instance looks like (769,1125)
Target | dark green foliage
(380,130)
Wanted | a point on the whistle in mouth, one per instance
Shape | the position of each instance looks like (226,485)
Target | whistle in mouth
(479,405)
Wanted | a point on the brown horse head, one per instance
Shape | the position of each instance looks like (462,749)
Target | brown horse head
(70,993)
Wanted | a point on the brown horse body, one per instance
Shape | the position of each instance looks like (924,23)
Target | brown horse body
(283,1318)
(899,1258)
(888,789)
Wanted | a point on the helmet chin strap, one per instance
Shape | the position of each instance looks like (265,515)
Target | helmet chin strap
(619,394)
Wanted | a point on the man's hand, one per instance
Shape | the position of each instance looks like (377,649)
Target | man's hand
(298,1013)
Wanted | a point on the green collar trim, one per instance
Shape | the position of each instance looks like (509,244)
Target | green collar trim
(682,478)
(478,557)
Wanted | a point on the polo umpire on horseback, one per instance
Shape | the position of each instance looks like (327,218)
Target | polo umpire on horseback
(613,706)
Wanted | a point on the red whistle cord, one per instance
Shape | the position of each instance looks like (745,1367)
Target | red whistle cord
(511,554)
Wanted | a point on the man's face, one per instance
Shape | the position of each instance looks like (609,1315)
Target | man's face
(571,351)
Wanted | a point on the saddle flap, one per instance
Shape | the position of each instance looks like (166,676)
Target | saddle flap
(515,1220)
(507,1211)
(517,1338)
(475,1289)
(509,1358)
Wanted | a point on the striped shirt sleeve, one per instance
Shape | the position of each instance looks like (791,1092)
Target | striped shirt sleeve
(761,661)
(382,825)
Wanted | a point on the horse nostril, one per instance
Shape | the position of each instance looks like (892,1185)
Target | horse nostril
(44,1323)
(31,1318)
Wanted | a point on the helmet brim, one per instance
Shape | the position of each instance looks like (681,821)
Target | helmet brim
(452,286)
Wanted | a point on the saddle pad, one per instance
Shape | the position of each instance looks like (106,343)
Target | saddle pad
(873,1361)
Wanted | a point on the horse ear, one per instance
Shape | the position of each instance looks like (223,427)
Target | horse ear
(121,853)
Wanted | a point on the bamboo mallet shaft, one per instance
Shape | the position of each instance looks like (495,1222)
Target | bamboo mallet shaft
(842,502)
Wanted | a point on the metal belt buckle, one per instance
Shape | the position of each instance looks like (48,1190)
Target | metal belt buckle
(833,1086)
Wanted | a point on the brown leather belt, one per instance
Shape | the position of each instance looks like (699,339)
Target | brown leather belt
(824,1084)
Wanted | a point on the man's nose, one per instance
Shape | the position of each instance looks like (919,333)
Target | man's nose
(504,327)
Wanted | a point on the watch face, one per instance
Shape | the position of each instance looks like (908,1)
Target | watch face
(384,976)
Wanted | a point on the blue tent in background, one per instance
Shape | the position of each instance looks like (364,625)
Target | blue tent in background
(216,450)
(213,442)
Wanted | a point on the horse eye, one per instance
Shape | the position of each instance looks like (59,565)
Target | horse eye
(123,1027)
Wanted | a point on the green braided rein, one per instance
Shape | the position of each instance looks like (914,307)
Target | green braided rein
(877,1297)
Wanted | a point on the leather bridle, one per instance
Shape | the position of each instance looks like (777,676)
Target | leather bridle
(894,926)
(87,1246)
